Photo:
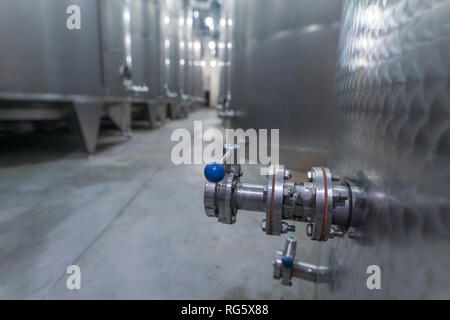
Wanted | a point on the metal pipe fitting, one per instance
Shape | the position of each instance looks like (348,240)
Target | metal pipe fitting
(324,202)
(250,197)
(285,267)
(329,204)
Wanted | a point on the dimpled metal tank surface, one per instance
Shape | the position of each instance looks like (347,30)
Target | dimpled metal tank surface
(282,74)
(381,207)
(392,129)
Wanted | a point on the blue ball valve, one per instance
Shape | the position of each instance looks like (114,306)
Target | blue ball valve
(214,172)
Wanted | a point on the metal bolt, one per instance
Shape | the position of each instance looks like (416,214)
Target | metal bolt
(309,229)
(338,196)
(336,233)
(335,177)
(310,176)
(306,195)
(289,190)
(287,174)
(355,235)
(285,227)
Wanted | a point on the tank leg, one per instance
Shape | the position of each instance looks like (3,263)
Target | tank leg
(162,113)
(184,108)
(85,123)
(157,114)
(152,114)
(120,115)
(172,110)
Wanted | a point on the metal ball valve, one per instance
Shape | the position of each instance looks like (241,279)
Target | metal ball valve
(328,204)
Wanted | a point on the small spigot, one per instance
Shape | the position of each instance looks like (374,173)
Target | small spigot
(285,267)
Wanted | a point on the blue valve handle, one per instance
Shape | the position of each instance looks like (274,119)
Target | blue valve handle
(214,172)
(287,262)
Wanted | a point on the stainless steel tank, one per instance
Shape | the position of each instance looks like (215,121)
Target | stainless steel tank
(40,55)
(283,70)
(145,29)
(190,57)
(225,47)
(184,52)
(140,50)
(170,21)
(198,88)
(47,64)
(392,133)
(196,69)
(157,72)
(161,57)
(187,47)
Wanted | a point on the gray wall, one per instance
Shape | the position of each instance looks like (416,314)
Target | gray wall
(393,124)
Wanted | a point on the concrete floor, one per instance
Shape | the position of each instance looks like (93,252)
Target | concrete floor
(131,220)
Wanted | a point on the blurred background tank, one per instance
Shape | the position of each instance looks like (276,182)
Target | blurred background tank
(46,50)
(149,102)
(196,46)
(392,133)
(195,78)
(198,85)
(282,74)
(225,47)
(184,32)
(171,31)
(124,55)
(51,71)
(190,54)
(380,117)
